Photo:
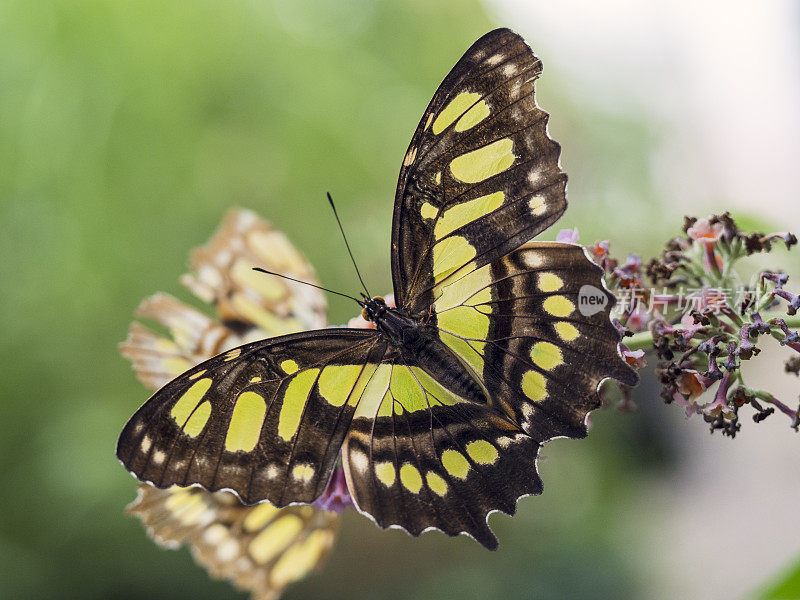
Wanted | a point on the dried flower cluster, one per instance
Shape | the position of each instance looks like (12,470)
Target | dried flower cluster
(701,322)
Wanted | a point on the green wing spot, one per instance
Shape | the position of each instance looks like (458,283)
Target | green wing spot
(246,421)
(189,400)
(337,381)
(482,452)
(294,401)
(436,393)
(436,483)
(289,366)
(410,478)
(407,391)
(484,162)
(546,355)
(534,385)
(385,473)
(198,420)
(455,463)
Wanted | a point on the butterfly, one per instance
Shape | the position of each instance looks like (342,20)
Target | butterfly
(259,548)
(438,413)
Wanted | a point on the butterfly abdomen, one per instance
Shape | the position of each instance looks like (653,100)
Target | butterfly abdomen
(440,363)
(419,344)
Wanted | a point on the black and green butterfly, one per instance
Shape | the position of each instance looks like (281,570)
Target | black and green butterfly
(439,412)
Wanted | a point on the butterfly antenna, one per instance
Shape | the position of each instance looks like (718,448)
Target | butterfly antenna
(335,214)
(319,287)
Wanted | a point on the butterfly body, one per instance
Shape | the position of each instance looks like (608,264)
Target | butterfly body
(417,343)
(438,414)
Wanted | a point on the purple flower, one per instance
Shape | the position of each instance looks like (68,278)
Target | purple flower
(689,405)
(720,404)
(569,236)
(336,497)
(704,231)
(635,358)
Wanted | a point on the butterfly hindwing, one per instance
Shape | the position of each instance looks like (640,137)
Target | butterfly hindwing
(519,325)
(265,420)
(481,175)
(424,458)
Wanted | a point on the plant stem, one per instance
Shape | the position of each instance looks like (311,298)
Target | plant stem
(767,397)
(643,340)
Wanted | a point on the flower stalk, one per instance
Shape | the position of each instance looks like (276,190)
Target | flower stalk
(643,340)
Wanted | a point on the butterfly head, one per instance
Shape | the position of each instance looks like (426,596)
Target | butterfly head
(373,308)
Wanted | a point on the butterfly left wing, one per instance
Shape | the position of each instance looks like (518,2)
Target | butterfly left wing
(252,546)
(259,548)
(481,175)
(265,420)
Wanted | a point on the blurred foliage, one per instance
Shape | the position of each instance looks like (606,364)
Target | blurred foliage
(787,587)
(126,131)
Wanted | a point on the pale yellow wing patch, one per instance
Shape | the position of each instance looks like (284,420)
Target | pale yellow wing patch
(294,402)
(461,214)
(458,106)
(244,430)
(462,306)
(483,163)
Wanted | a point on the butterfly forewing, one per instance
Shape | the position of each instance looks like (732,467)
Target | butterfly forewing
(481,175)
(265,420)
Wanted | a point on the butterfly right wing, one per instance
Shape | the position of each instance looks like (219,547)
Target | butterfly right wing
(260,548)
(522,326)
(265,420)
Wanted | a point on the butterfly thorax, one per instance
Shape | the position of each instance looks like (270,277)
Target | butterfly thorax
(418,343)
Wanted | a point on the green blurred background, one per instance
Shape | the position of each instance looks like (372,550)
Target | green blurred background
(126,132)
